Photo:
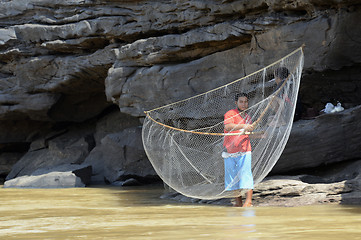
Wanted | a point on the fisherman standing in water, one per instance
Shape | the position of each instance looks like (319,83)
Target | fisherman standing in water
(237,162)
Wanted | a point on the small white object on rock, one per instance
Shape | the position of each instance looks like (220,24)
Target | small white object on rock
(330,108)
(338,108)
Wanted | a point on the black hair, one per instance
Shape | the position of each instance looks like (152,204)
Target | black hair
(282,72)
(240,94)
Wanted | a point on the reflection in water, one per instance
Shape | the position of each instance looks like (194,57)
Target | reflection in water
(244,222)
(248,212)
(139,213)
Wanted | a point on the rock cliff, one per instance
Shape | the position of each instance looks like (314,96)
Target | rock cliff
(68,67)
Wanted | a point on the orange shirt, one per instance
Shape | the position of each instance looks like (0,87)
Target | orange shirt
(236,143)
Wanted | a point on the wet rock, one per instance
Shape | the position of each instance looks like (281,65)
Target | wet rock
(291,191)
(328,138)
(128,182)
(22,131)
(120,156)
(63,176)
(113,122)
(67,148)
(7,161)
(50,180)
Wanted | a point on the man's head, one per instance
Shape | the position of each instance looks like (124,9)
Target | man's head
(241,101)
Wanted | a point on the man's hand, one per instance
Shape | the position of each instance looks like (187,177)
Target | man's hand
(248,127)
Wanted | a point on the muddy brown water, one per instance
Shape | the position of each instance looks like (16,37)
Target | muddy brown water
(138,213)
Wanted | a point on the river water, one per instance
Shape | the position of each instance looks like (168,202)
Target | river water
(139,213)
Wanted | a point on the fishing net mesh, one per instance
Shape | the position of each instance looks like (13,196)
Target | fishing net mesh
(184,141)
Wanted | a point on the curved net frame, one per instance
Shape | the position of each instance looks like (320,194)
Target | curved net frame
(184,140)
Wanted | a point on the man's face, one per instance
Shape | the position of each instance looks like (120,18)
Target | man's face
(278,80)
(242,103)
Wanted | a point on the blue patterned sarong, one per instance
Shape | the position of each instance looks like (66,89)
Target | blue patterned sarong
(238,171)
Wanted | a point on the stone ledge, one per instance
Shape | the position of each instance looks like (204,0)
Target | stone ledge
(64,176)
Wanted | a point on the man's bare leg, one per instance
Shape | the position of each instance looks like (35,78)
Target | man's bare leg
(248,202)
(238,202)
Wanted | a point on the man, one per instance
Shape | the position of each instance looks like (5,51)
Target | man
(237,162)
(281,74)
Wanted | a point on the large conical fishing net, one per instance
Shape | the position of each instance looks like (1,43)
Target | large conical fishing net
(184,141)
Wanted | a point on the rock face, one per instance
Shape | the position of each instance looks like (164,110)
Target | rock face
(329,138)
(68,67)
(7,160)
(120,156)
